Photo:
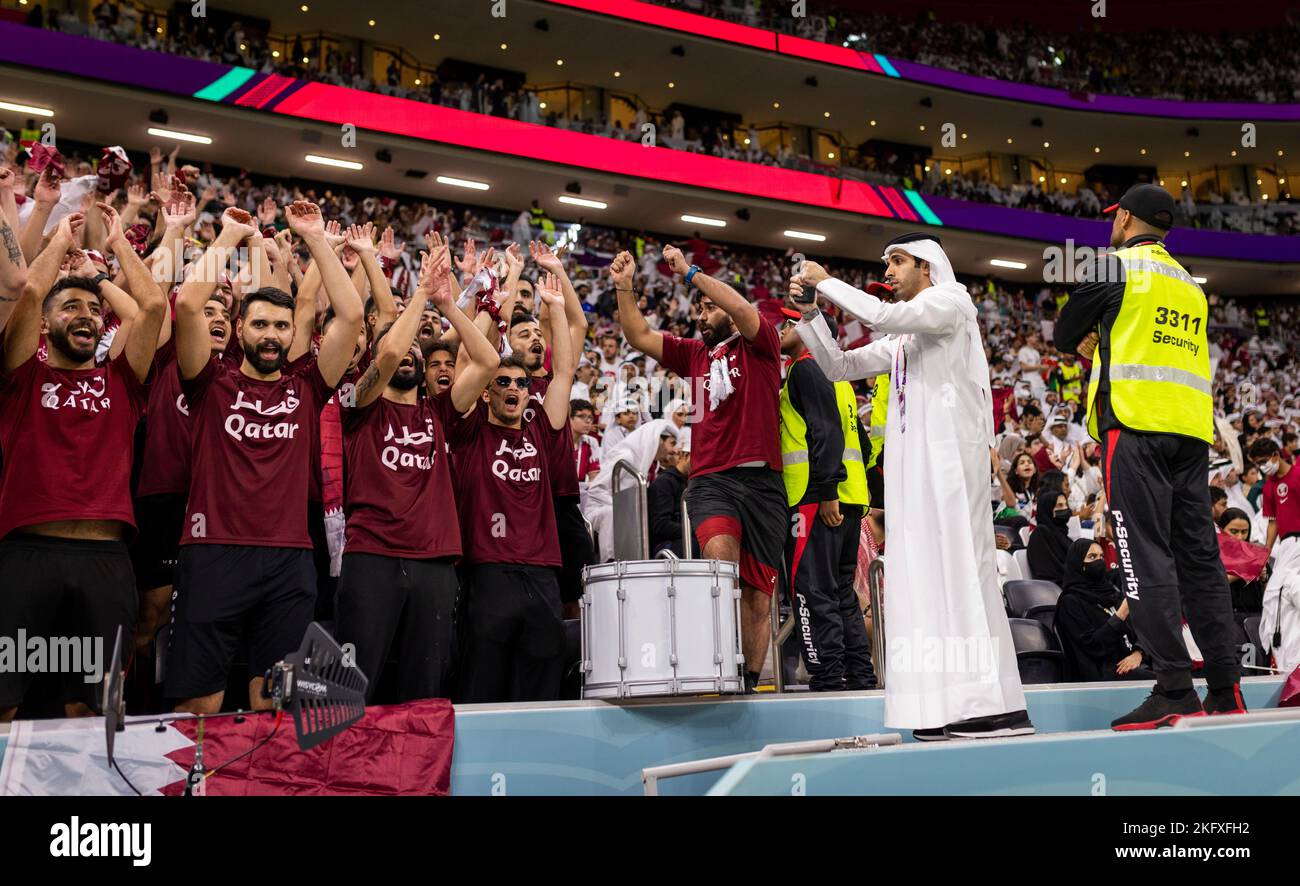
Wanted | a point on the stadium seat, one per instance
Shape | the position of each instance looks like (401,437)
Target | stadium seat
(1251,626)
(1036,657)
(1025,532)
(1022,559)
(1031,598)
(1008,568)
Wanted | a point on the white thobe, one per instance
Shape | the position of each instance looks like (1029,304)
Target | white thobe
(949,654)
(1283,583)
(638,447)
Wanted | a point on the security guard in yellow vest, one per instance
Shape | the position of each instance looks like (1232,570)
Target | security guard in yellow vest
(1068,381)
(876,431)
(826,489)
(1141,318)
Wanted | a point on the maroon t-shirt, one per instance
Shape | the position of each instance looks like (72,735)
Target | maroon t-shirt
(67,437)
(1279,504)
(743,428)
(399,499)
(251,456)
(507,512)
(165,462)
(562,460)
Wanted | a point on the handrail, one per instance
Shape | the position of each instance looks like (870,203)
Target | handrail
(626,467)
(876,591)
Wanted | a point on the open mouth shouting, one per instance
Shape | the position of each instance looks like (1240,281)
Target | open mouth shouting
(218,331)
(83,334)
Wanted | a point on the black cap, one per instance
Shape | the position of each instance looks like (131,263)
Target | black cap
(1151,203)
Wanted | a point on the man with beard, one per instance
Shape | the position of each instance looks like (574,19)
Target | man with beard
(944,595)
(246,574)
(512,550)
(65,516)
(735,497)
(397,591)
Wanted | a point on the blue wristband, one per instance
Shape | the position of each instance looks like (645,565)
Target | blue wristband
(691,273)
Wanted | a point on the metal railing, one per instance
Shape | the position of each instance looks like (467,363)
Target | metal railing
(876,591)
(631,536)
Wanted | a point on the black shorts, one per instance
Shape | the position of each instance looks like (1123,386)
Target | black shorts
(228,596)
(161,521)
(748,503)
(391,608)
(71,590)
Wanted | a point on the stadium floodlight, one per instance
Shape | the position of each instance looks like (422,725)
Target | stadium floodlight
(1008,263)
(1201,280)
(804,235)
(582,201)
(703,220)
(25,109)
(180,136)
(331,161)
(462,183)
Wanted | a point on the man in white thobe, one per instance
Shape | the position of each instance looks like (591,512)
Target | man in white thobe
(642,448)
(950,664)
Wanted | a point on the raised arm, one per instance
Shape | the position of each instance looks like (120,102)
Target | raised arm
(930,312)
(361,239)
(193,342)
(23,332)
(638,332)
(742,313)
(479,356)
(556,401)
(341,338)
(574,316)
(395,345)
(838,364)
(150,301)
(13,266)
(46,194)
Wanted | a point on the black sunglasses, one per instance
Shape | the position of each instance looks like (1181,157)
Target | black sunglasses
(522,382)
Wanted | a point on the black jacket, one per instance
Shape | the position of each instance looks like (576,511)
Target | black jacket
(1093,639)
(1095,303)
(812,395)
(664,502)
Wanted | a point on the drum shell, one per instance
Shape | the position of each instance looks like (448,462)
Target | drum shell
(661,628)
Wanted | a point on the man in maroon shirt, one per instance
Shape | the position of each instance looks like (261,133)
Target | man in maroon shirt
(440,365)
(246,573)
(736,498)
(515,620)
(397,592)
(67,427)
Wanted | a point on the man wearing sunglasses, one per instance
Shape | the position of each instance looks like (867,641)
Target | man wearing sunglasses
(515,625)
(397,591)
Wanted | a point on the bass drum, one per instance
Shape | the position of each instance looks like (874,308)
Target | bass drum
(661,628)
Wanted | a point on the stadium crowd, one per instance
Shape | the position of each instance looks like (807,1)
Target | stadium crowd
(312,59)
(304,401)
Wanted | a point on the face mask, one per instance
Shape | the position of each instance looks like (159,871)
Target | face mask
(1095,570)
(1061,515)
(1269,468)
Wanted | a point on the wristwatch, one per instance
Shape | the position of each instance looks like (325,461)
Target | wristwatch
(99,278)
(694,269)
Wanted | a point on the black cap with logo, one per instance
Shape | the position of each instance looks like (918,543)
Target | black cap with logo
(1151,203)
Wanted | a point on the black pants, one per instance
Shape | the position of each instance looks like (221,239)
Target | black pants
(388,606)
(576,548)
(1168,554)
(515,634)
(829,628)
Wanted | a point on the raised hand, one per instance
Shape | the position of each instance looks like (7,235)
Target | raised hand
(812,273)
(237,222)
(181,212)
(162,188)
(155,156)
(551,291)
(361,237)
(284,240)
(48,187)
(80,265)
(70,228)
(514,259)
(434,284)
(389,247)
(112,225)
(334,235)
(676,260)
(136,195)
(469,264)
(545,258)
(267,211)
(305,219)
(623,269)
(227,197)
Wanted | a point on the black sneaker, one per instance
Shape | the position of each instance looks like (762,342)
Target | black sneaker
(751,683)
(936,734)
(1160,709)
(1225,701)
(994,726)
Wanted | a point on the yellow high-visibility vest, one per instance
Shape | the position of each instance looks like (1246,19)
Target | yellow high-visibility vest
(1157,351)
(794,447)
(1071,382)
(879,415)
